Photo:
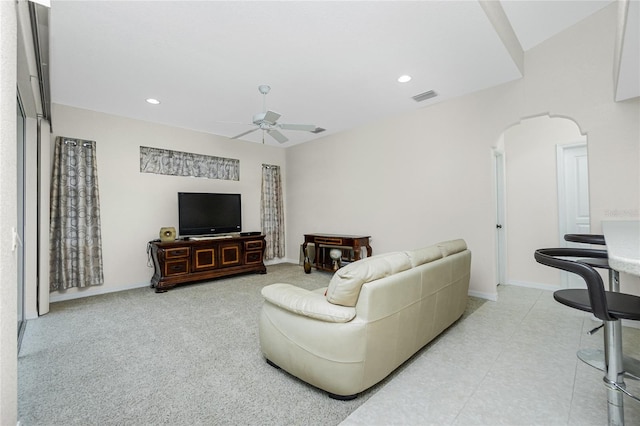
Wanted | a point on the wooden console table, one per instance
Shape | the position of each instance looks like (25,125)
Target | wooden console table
(349,244)
(186,261)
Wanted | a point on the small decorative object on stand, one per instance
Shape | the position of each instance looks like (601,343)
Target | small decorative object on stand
(307,262)
(167,233)
(336,255)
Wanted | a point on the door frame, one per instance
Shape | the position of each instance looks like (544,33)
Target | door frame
(500,215)
(20,224)
(561,149)
(562,213)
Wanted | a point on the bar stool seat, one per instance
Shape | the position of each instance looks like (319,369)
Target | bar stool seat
(619,305)
(608,306)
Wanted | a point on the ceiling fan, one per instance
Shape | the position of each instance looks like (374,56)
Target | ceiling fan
(267,121)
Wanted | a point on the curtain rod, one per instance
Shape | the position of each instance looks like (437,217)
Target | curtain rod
(75,143)
(270,166)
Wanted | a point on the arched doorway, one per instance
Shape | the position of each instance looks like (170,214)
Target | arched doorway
(543,195)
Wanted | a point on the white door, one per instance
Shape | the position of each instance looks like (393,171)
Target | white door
(573,199)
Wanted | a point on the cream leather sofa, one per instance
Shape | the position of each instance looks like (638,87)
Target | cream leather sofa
(375,314)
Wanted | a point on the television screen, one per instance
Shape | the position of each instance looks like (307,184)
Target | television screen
(202,213)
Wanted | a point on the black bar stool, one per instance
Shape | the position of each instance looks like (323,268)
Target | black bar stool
(596,357)
(586,238)
(608,306)
(614,276)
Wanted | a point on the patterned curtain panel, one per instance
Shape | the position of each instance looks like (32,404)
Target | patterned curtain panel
(177,163)
(75,240)
(272,211)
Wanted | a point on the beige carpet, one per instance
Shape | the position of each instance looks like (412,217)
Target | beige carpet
(186,357)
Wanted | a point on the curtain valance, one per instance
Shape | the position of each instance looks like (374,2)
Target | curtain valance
(178,163)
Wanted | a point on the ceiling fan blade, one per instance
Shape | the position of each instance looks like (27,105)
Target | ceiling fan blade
(244,133)
(305,127)
(231,122)
(277,136)
(271,117)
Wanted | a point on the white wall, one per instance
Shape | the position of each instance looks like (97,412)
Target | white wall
(8,215)
(408,181)
(413,180)
(532,194)
(134,205)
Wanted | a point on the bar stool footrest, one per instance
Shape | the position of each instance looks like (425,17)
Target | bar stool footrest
(595,359)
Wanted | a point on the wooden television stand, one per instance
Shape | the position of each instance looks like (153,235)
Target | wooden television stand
(186,261)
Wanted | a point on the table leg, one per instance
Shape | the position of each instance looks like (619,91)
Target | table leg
(316,254)
(356,250)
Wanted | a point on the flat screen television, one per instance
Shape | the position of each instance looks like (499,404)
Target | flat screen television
(201,213)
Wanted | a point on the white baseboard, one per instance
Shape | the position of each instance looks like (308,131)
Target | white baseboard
(97,290)
(279,260)
(93,291)
(539,286)
(482,295)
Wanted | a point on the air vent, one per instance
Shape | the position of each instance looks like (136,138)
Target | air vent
(424,96)
(318,130)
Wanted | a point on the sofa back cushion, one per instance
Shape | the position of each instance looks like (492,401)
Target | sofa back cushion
(452,246)
(424,255)
(344,287)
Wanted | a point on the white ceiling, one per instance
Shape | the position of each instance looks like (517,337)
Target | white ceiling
(331,64)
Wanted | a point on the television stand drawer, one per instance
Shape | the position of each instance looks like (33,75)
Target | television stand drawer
(329,241)
(253,245)
(178,252)
(176,267)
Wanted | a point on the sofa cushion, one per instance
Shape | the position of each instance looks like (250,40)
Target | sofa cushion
(311,304)
(451,247)
(344,287)
(424,255)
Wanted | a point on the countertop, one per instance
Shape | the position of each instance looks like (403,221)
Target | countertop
(623,245)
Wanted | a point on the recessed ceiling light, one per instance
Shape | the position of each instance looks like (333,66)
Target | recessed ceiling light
(153,101)
(404,78)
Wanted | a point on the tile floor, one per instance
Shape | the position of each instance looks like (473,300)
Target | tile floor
(511,362)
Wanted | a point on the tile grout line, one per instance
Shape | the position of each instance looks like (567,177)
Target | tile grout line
(494,361)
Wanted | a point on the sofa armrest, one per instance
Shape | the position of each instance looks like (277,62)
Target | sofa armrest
(307,303)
